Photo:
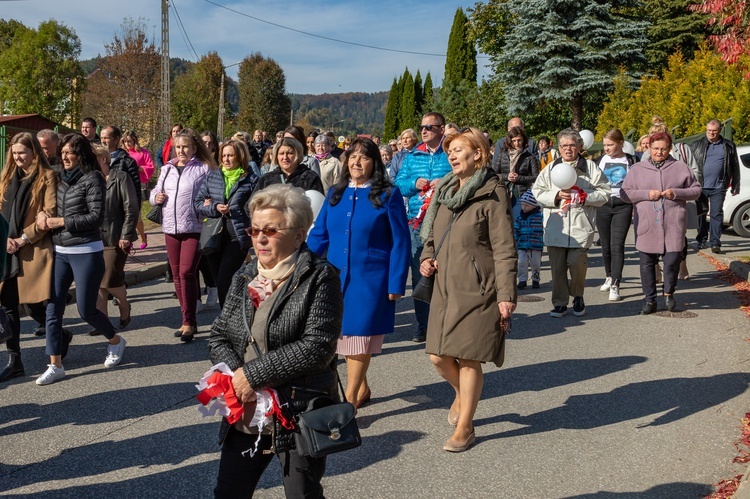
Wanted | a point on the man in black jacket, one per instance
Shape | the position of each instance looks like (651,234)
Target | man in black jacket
(120,159)
(717,160)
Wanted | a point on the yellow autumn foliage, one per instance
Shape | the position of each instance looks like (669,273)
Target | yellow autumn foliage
(687,96)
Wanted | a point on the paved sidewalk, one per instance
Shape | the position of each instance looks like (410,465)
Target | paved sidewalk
(147,264)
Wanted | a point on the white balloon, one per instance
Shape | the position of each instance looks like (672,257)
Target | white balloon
(563,176)
(588,138)
(628,148)
(316,200)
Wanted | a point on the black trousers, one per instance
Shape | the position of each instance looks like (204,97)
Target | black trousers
(239,474)
(224,264)
(613,222)
(648,273)
(9,302)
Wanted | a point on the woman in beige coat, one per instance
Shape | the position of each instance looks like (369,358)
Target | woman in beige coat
(27,186)
(475,275)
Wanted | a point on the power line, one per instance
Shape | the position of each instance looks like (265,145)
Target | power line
(321,36)
(183,31)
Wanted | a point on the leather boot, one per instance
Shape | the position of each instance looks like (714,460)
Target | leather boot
(14,369)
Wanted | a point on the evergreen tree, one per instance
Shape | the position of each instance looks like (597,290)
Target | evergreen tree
(563,49)
(428,101)
(461,62)
(418,96)
(674,27)
(390,126)
(407,109)
(196,94)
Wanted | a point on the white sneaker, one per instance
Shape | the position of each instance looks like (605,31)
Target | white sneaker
(198,307)
(52,374)
(614,293)
(114,353)
(607,284)
(212,298)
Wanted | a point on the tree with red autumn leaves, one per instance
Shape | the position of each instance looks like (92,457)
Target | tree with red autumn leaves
(732,19)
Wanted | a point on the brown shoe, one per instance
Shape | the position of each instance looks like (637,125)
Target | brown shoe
(453,446)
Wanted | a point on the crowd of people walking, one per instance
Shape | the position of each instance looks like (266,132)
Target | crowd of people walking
(307,246)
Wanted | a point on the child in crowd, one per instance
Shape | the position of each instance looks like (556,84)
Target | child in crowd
(529,232)
(546,154)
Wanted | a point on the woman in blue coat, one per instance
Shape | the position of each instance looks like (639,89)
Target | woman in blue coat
(363,226)
(224,193)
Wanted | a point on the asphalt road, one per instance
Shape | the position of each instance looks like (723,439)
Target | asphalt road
(609,405)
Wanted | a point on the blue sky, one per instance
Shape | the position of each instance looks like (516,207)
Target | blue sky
(311,65)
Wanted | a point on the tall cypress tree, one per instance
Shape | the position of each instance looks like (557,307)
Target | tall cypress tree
(461,62)
(408,102)
(418,96)
(428,99)
(390,127)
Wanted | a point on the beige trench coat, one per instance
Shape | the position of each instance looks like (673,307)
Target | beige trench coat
(477,266)
(35,276)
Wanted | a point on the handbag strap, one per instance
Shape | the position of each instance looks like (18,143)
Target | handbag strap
(257,350)
(447,229)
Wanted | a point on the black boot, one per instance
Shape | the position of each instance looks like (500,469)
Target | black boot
(14,369)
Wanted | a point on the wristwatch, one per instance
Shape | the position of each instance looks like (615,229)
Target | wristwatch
(25,239)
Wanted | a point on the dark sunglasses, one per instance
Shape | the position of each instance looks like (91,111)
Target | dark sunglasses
(429,128)
(267,231)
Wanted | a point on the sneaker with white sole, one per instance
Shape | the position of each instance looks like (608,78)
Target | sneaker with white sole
(114,353)
(212,298)
(579,306)
(607,284)
(614,293)
(52,374)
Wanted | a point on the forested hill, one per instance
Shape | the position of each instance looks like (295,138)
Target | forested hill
(352,112)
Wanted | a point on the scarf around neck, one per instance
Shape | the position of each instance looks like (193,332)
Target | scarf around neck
(268,280)
(514,154)
(451,196)
(656,164)
(230,178)
(71,176)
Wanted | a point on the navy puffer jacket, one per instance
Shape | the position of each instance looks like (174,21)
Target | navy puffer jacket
(82,207)
(213,188)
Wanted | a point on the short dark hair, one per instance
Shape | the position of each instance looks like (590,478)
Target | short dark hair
(116,133)
(90,121)
(514,132)
(439,117)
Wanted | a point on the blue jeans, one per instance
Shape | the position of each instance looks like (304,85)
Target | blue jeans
(716,217)
(86,270)
(421,309)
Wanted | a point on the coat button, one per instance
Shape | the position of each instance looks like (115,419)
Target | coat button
(351,197)
(349,214)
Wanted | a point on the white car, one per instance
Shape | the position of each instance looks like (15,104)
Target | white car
(737,208)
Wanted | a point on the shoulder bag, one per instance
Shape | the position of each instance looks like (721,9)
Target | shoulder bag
(326,426)
(211,233)
(423,290)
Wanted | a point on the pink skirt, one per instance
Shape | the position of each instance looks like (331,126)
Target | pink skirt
(360,345)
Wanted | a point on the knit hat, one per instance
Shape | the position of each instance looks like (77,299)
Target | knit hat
(529,198)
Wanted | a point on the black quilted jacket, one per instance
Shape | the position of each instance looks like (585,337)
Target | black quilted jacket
(82,207)
(301,334)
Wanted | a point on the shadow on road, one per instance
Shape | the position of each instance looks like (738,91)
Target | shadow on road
(678,489)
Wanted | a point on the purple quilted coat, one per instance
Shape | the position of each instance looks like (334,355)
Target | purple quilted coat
(181,185)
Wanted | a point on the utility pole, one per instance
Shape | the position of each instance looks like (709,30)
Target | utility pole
(165,105)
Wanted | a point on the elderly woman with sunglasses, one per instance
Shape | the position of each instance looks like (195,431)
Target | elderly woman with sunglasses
(286,302)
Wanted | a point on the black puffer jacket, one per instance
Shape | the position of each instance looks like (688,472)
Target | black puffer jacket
(82,207)
(122,161)
(120,210)
(301,334)
(527,169)
(302,177)
(213,188)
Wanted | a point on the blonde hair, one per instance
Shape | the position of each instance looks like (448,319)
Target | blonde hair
(38,165)
(476,140)
(289,200)
(299,152)
(657,125)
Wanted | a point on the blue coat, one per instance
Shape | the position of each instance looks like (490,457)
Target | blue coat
(213,188)
(371,248)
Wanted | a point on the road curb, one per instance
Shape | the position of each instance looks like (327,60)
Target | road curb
(148,272)
(743,491)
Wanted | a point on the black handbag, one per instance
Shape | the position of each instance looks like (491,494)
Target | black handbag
(327,427)
(423,290)
(5,332)
(155,214)
(211,233)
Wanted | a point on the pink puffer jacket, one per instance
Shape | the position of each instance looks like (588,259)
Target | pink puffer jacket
(180,185)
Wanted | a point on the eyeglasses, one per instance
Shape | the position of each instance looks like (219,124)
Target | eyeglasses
(267,231)
(429,128)
(567,146)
